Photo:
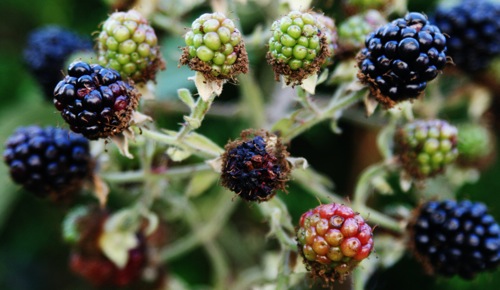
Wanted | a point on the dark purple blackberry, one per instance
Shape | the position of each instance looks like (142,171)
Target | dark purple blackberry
(401,57)
(255,166)
(48,161)
(94,101)
(474,31)
(456,238)
(47,49)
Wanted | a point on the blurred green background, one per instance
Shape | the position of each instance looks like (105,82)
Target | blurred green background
(32,254)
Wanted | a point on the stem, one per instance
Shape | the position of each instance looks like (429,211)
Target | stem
(284,272)
(315,188)
(381,219)
(306,101)
(253,100)
(363,187)
(219,264)
(329,112)
(140,175)
(198,114)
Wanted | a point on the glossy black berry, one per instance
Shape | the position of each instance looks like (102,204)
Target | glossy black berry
(401,57)
(46,51)
(456,238)
(255,166)
(94,101)
(474,31)
(48,161)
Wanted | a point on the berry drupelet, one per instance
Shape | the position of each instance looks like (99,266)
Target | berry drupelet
(333,240)
(50,162)
(215,47)
(474,31)
(94,101)
(401,57)
(83,227)
(455,238)
(298,46)
(46,52)
(128,44)
(425,148)
(255,166)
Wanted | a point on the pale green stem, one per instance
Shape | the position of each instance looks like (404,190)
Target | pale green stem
(284,272)
(199,111)
(253,100)
(316,189)
(336,106)
(306,101)
(210,229)
(219,265)
(379,219)
(358,279)
(250,278)
(140,175)
(364,187)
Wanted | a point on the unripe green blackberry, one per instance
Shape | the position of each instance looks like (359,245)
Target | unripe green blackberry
(255,166)
(330,34)
(215,47)
(425,148)
(455,238)
(475,145)
(128,44)
(50,162)
(333,240)
(352,32)
(298,47)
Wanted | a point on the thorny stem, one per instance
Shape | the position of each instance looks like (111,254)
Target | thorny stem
(336,106)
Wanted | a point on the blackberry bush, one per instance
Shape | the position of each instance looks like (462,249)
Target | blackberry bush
(50,162)
(401,57)
(456,238)
(95,101)
(473,29)
(47,50)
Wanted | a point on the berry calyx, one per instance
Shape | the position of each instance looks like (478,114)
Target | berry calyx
(95,101)
(333,240)
(255,166)
(50,162)
(455,238)
(425,148)
(401,57)
(298,47)
(215,48)
(128,44)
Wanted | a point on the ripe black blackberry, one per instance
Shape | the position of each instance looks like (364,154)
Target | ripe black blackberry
(48,161)
(401,57)
(94,101)
(474,30)
(456,238)
(47,49)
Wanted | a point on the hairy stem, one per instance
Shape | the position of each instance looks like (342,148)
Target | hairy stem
(139,175)
(197,115)
(253,100)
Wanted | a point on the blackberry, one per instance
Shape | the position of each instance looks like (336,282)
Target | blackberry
(333,240)
(425,148)
(128,44)
(474,32)
(401,57)
(455,238)
(46,52)
(50,162)
(215,47)
(255,166)
(298,47)
(94,101)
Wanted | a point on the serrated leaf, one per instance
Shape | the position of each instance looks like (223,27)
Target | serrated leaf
(203,143)
(201,182)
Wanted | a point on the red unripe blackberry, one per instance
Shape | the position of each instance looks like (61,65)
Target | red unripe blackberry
(94,101)
(474,29)
(48,161)
(333,240)
(455,238)
(401,57)
(255,166)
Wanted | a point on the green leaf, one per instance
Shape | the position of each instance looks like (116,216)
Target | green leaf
(186,97)
(201,182)
(203,143)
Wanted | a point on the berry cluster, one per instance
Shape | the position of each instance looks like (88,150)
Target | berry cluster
(474,30)
(299,46)
(475,145)
(426,147)
(94,101)
(333,239)
(129,45)
(456,238)
(48,161)
(46,52)
(215,47)
(401,57)
(255,167)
